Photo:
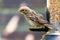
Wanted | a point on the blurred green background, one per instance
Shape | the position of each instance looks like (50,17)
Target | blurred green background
(8,9)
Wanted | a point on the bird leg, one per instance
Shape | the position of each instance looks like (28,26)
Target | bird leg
(43,36)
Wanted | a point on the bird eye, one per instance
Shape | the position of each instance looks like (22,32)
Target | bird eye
(23,10)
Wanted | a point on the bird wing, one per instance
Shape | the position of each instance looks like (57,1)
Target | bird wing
(41,19)
(37,17)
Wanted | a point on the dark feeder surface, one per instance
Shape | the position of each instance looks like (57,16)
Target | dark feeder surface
(48,37)
(52,37)
(39,29)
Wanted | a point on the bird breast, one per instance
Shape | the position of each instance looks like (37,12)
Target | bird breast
(32,23)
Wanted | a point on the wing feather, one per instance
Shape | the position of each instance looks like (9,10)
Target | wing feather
(41,19)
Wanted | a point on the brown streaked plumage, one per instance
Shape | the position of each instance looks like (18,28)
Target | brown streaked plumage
(35,19)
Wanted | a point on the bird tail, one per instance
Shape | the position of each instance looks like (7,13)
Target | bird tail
(51,27)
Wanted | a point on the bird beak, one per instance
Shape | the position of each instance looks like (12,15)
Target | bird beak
(18,11)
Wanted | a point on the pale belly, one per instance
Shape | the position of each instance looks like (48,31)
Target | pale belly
(33,24)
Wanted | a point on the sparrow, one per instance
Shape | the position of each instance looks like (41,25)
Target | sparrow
(35,19)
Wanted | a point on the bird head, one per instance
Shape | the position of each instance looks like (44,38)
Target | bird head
(24,10)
